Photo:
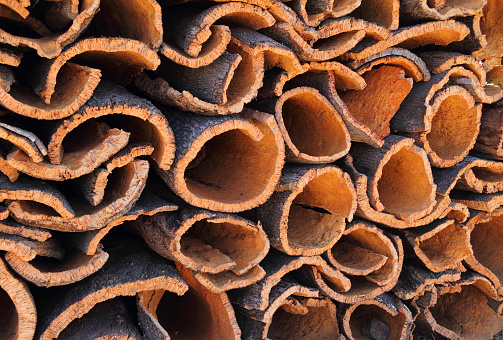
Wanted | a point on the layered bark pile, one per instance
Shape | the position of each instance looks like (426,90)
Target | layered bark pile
(251,169)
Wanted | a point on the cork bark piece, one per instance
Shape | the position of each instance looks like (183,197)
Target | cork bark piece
(131,268)
(400,178)
(25,140)
(384,317)
(19,314)
(197,313)
(443,119)
(476,201)
(60,14)
(44,272)
(52,45)
(11,227)
(302,217)
(333,38)
(148,204)
(231,81)
(292,317)
(437,32)
(6,169)
(375,105)
(93,185)
(138,116)
(128,183)
(204,143)
(440,245)
(118,58)
(74,87)
(364,250)
(489,26)
(314,12)
(228,280)
(382,12)
(102,143)
(471,174)
(110,319)
(27,249)
(414,10)
(193,28)
(16,7)
(413,66)
(475,320)
(115,17)
(490,138)
(9,57)
(205,241)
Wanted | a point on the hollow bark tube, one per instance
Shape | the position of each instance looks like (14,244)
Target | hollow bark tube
(306,214)
(224,163)
(490,27)
(196,314)
(400,178)
(312,128)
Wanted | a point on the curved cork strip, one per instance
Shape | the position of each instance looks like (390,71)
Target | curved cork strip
(192,28)
(27,249)
(119,59)
(93,185)
(471,174)
(138,116)
(227,280)
(291,316)
(196,314)
(375,105)
(382,12)
(414,10)
(490,138)
(313,130)
(440,245)
(413,66)
(42,272)
(215,143)
(17,7)
(74,86)
(110,319)
(314,12)
(25,140)
(443,119)
(282,270)
(490,28)
(438,33)
(6,169)
(204,241)
(51,46)
(231,81)
(9,226)
(475,320)
(128,183)
(400,178)
(302,217)
(19,314)
(115,17)
(134,268)
(364,250)
(384,317)
(333,38)
(9,57)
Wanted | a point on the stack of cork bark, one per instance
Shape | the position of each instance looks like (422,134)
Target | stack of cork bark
(251,169)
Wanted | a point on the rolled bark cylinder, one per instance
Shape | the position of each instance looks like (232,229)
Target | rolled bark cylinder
(290,316)
(216,143)
(206,242)
(419,10)
(313,130)
(19,315)
(134,268)
(45,272)
(50,48)
(307,212)
(110,319)
(441,245)
(400,178)
(195,314)
(314,12)
(375,105)
(489,26)
(384,317)
(437,32)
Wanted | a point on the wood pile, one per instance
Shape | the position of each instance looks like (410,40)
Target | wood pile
(251,169)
